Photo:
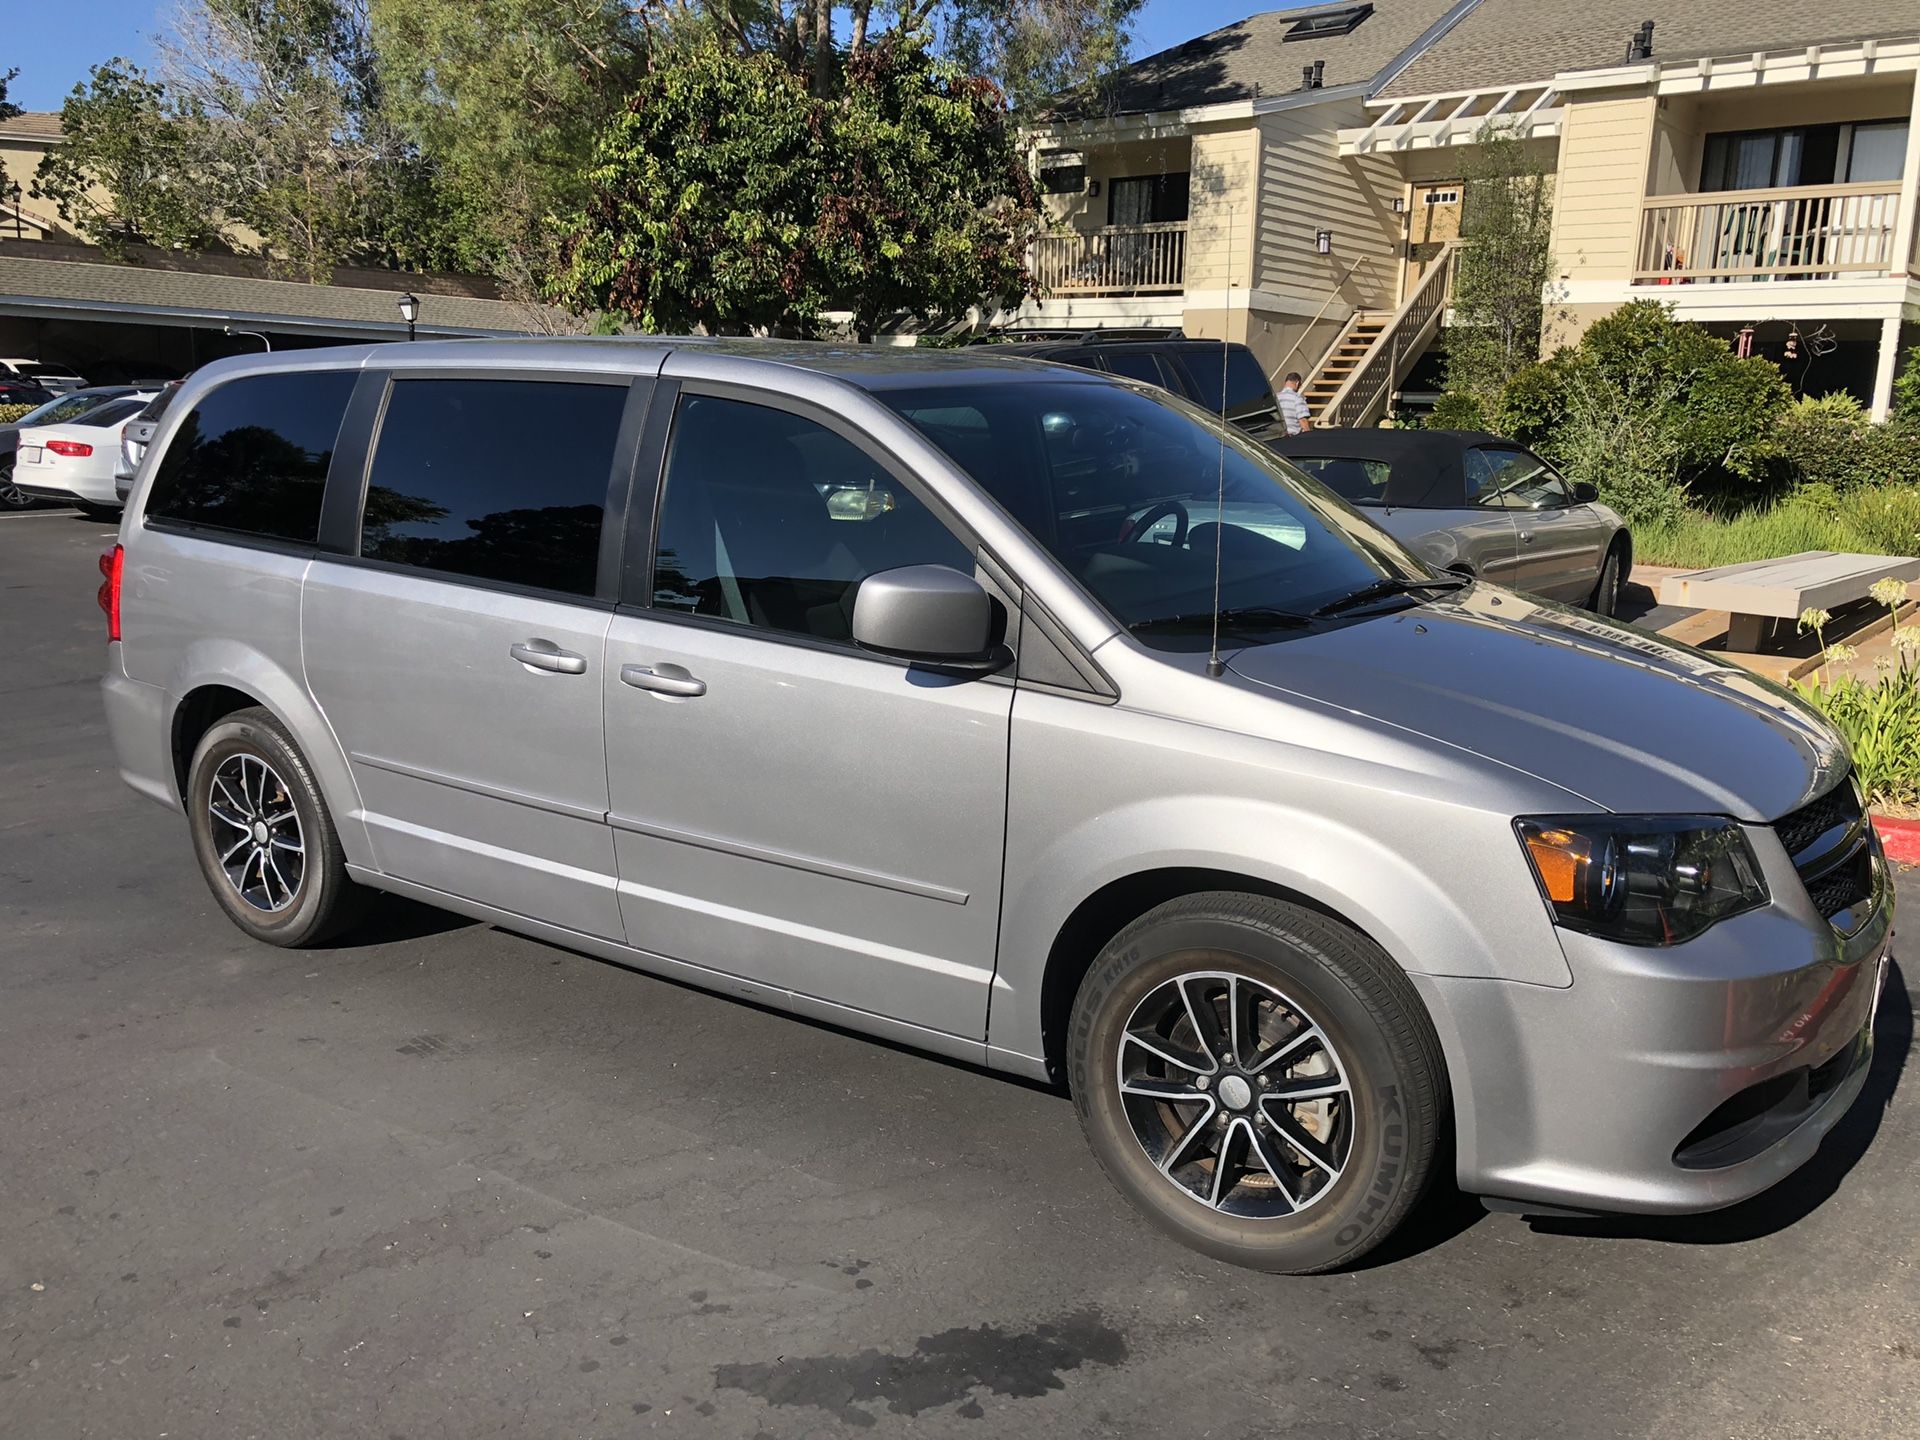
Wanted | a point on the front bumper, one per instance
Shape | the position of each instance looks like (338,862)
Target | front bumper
(1667,1081)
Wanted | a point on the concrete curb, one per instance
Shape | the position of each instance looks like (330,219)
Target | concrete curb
(1900,838)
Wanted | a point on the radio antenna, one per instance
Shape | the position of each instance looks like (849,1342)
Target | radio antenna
(1214,668)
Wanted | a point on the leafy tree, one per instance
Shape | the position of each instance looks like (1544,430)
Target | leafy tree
(1036,50)
(1507,223)
(132,167)
(1906,391)
(701,201)
(7,108)
(926,208)
(729,196)
(503,98)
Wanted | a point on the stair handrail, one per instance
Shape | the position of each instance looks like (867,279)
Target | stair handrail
(1321,314)
(1382,361)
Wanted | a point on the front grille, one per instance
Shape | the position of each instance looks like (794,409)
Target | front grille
(1831,845)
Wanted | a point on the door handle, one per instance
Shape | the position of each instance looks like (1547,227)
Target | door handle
(1526,537)
(545,655)
(664,679)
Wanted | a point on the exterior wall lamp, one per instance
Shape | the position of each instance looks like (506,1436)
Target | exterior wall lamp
(1323,241)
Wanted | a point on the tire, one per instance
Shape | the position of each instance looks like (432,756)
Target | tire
(1606,590)
(247,769)
(10,496)
(1369,1149)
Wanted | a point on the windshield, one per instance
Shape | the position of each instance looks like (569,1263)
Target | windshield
(66,408)
(1246,382)
(1362,482)
(1123,487)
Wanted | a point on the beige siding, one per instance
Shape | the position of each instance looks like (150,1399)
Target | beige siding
(1220,227)
(1604,151)
(1306,186)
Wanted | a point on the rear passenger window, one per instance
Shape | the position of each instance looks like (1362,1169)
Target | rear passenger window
(502,480)
(251,458)
(1139,365)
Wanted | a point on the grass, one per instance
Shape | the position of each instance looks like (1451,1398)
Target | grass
(1870,520)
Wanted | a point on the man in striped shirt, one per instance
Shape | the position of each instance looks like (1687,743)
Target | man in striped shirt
(1293,405)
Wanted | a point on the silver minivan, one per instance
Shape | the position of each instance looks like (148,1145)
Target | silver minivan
(882,686)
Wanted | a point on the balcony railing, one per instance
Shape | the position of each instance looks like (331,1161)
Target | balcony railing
(1119,260)
(1815,232)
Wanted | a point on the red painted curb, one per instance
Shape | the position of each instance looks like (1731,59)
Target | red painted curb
(1900,838)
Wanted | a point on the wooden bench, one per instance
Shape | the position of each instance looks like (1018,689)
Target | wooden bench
(1762,592)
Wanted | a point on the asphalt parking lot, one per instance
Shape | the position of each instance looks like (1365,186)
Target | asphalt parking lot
(445,1181)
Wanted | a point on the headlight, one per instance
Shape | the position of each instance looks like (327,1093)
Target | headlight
(1642,880)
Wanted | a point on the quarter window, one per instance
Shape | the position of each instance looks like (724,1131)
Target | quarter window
(773,520)
(502,480)
(251,458)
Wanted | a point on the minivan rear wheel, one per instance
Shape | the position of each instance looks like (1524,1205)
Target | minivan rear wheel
(263,837)
(1258,1078)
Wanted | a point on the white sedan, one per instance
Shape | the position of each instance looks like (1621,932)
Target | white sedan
(74,462)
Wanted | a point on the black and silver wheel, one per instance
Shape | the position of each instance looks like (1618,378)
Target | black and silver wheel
(12,497)
(263,837)
(1606,590)
(1261,1080)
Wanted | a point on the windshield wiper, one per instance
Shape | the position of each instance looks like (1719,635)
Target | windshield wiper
(1382,589)
(1247,617)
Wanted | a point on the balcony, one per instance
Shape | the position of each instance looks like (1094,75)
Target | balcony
(1815,232)
(1116,260)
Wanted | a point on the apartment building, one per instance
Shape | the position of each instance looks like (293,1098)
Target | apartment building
(1755,168)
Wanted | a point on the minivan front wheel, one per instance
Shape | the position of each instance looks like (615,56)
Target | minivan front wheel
(1259,1079)
(263,837)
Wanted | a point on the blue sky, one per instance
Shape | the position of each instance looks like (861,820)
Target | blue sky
(56,44)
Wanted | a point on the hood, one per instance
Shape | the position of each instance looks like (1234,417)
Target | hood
(1625,720)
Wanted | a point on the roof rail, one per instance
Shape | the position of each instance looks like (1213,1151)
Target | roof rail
(1138,332)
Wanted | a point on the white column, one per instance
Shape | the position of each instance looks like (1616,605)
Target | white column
(1903,221)
(1885,368)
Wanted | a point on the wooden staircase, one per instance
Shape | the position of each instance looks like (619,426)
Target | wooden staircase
(1349,348)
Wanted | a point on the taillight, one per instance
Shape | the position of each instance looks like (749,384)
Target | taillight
(72,449)
(112,565)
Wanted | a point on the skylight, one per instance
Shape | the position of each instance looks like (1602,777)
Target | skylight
(1343,20)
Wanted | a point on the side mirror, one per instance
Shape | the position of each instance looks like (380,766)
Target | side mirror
(927,613)
(1585,492)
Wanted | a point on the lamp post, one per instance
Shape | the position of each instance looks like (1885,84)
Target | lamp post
(409,310)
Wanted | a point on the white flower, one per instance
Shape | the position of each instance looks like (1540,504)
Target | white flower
(1889,592)
(1814,620)
(1907,640)
(1841,654)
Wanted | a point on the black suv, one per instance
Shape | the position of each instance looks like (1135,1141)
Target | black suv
(1189,368)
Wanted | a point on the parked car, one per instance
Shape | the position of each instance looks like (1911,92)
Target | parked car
(1189,368)
(14,391)
(54,412)
(59,379)
(72,461)
(843,680)
(137,434)
(1475,504)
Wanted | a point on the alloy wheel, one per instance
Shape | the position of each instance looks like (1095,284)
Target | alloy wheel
(1236,1094)
(11,496)
(257,836)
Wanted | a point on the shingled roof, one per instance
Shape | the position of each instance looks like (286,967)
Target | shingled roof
(32,125)
(1510,42)
(1255,58)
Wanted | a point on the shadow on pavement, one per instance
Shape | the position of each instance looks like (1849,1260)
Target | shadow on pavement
(394,919)
(1809,1187)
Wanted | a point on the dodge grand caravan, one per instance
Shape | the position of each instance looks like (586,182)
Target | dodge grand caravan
(878,686)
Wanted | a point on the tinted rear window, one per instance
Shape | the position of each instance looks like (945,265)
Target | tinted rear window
(157,406)
(1247,387)
(1364,482)
(111,413)
(500,480)
(252,457)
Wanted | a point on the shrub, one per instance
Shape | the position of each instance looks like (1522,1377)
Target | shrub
(1534,403)
(1456,410)
(1906,390)
(1830,442)
(1881,721)
(11,413)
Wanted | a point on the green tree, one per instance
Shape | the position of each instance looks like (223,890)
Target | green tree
(730,197)
(926,209)
(131,169)
(1507,224)
(7,108)
(700,202)
(1037,50)
(1906,391)
(503,100)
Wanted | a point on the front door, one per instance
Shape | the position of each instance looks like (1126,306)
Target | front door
(787,808)
(457,654)
(1434,221)
(1561,543)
